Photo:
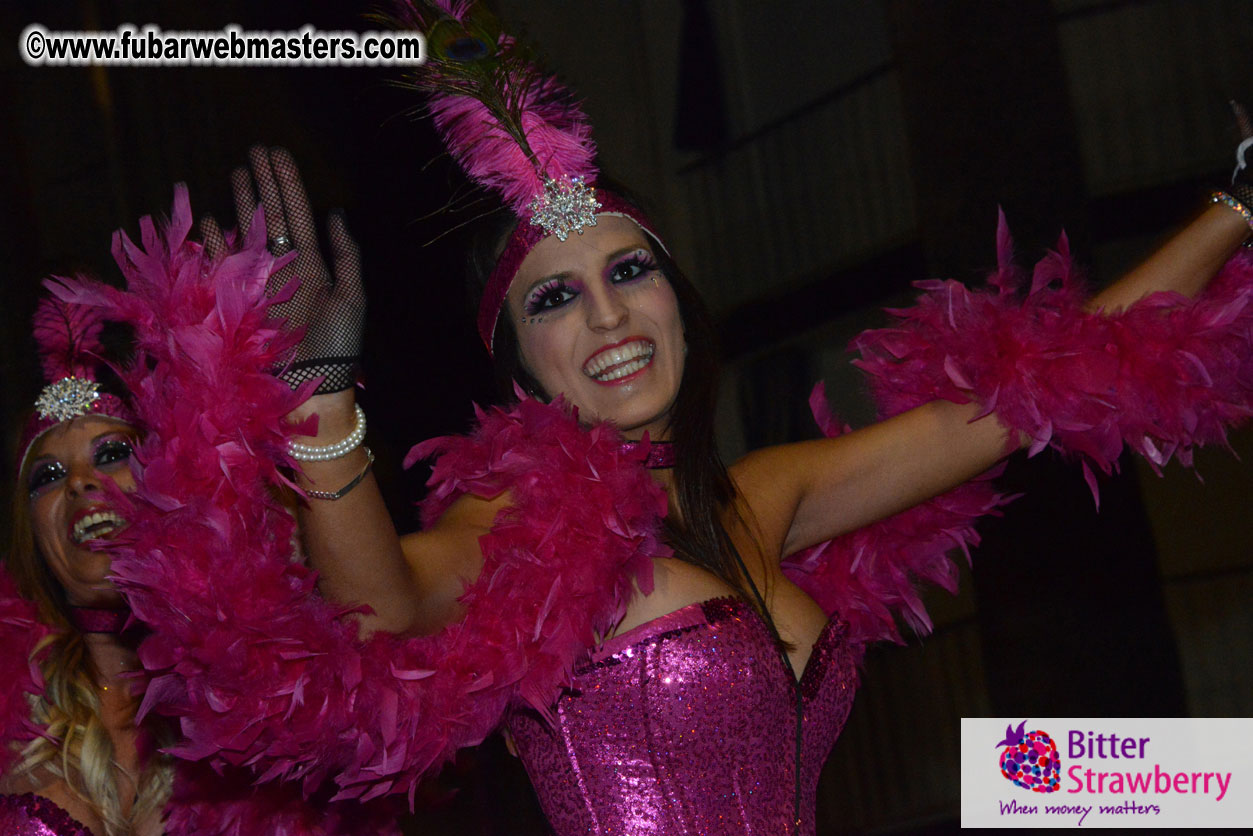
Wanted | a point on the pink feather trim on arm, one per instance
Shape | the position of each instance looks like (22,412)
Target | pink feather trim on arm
(1162,377)
(868,577)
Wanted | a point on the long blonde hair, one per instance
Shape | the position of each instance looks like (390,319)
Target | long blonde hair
(77,749)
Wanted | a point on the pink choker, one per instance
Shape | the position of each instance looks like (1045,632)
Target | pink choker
(660,453)
(99,620)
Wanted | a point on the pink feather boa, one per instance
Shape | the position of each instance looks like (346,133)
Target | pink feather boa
(203,802)
(20,631)
(213,415)
(260,672)
(277,682)
(868,577)
(1163,376)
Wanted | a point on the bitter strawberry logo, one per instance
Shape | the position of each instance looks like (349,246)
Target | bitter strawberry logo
(1030,759)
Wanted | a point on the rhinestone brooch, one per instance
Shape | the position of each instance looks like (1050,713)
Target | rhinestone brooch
(567,205)
(68,398)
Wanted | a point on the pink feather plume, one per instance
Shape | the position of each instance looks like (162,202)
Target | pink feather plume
(229,804)
(508,123)
(556,130)
(68,336)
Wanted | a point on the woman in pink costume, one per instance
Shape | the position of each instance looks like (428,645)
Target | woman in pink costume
(712,693)
(672,643)
(64,623)
(77,755)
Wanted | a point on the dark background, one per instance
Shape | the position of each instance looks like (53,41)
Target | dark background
(89,150)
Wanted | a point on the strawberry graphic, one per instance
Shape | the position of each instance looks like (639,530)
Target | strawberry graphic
(1030,759)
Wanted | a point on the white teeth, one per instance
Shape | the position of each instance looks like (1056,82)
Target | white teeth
(624,370)
(620,361)
(96,525)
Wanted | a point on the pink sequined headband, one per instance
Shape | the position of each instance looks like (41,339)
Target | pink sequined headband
(68,338)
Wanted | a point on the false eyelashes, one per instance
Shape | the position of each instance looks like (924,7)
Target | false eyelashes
(557,292)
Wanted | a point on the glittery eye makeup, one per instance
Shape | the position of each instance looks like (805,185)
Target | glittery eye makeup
(44,474)
(108,452)
(635,265)
(561,289)
(550,295)
(111,450)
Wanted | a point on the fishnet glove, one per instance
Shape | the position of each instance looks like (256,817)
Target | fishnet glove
(328,304)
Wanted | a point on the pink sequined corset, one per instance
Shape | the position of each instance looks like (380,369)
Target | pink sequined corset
(33,815)
(687,725)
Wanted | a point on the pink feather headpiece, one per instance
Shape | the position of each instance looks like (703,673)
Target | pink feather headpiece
(68,339)
(514,129)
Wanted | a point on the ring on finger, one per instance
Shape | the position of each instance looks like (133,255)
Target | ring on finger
(279,244)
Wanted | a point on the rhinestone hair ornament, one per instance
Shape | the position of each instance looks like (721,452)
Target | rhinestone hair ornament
(514,129)
(68,339)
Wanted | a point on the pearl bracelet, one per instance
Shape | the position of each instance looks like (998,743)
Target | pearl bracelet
(308,453)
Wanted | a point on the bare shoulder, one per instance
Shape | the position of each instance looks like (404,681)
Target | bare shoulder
(445,557)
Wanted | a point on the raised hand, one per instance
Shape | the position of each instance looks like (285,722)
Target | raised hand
(329,304)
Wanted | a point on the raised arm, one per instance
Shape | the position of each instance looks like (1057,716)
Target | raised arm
(258,669)
(802,494)
(345,528)
(1184,264)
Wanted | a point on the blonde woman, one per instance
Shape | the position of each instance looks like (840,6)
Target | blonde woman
(79,756)
(91,768)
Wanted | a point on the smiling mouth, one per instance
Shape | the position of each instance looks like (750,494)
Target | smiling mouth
(619,361)
(95,526)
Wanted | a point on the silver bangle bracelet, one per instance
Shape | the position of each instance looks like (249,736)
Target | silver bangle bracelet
(309,453)
(342,492)
(1237,199)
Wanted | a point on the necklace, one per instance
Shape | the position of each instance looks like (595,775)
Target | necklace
(99,620)
(660,453)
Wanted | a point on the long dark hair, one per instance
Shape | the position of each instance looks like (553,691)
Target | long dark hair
(704,493)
